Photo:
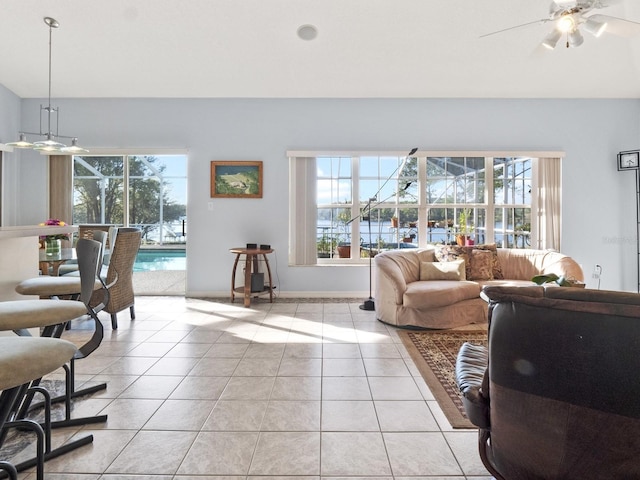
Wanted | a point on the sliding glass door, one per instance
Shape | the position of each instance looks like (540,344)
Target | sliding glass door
(145,191)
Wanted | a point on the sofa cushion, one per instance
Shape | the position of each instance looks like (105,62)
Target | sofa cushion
(449,253)
(454,270)
(495,263)
(438,293)
(480,265)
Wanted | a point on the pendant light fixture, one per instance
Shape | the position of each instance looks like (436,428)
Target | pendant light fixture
(50,144)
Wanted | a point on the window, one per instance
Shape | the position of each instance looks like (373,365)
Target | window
(370,203)
(145,191)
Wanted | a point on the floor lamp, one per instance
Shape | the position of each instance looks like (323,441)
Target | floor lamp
(369,304)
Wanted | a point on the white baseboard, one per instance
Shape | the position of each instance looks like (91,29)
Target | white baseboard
(339,294)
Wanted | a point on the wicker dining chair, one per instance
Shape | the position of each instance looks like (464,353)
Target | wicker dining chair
(120,274)
(71,266)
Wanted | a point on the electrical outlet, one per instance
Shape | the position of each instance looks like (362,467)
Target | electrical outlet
(597,271)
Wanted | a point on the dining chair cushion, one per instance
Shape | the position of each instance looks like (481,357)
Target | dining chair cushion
(46,286)
(17,314)
(23,359)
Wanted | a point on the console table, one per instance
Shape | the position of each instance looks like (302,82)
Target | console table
(251,263)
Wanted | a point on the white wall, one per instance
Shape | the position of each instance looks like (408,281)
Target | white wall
(599,202)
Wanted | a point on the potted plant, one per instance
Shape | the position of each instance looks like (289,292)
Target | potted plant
(394,222)
(342,240)
(408,235)
(462,237)
(325,246)
(344,250)
(562,280)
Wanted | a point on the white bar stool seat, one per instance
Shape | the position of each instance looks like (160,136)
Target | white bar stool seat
(23,314)
(47,287)
(22,360)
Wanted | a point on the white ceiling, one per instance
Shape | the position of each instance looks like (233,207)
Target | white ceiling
(364,48)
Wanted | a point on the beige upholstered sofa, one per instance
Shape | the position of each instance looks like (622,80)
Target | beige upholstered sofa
(404,300)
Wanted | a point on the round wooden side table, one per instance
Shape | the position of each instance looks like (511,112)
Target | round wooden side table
(253,256)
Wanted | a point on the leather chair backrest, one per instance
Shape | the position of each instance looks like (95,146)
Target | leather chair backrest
(563,382)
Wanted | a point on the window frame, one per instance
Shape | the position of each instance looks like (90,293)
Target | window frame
(359,228)
(138,154)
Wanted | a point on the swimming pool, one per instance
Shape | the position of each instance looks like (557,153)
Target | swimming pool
(160,259)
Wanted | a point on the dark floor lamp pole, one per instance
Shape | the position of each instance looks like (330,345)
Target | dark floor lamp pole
(369,303)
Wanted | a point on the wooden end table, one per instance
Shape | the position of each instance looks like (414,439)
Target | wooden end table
(251,262)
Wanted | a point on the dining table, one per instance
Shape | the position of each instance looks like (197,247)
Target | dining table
(50,262)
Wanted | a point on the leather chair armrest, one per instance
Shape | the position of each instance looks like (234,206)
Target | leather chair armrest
(471,366)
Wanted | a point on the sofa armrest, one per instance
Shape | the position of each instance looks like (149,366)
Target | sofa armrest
(390,278)
(564,267)
(471,367)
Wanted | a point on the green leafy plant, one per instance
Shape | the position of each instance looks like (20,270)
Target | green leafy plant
(463,228)
(553,278)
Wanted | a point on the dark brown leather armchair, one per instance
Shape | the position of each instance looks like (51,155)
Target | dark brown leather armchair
(557,393)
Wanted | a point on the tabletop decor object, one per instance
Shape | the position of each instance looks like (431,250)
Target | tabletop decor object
(52,243)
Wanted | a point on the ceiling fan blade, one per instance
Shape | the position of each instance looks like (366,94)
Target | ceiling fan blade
(560,5)
(543,20)
(617,26)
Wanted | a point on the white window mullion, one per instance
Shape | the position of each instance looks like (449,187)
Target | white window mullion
(489,234)
(423,210)
(355,207)
(125,186)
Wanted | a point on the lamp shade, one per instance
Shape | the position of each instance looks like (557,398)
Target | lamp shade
(575,38)
(551,40)
(74,148)
(22,143)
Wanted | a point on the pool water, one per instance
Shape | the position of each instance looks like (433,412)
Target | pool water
(160,259)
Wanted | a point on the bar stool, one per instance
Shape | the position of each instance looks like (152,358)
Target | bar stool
(46,286)
(23,360)
(82,287)
(50,316)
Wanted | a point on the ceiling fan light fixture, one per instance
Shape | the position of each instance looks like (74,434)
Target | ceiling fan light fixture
(566,23)
(575,38)
(595,28)
(551,40)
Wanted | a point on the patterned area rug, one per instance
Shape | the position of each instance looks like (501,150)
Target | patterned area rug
(434,352)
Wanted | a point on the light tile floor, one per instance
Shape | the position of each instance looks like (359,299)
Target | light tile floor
(205,390)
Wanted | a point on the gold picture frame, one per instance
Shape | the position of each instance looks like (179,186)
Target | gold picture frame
(236,179)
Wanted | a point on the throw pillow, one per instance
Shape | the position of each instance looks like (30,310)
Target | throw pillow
(448,253)
(495,263)
(481,265)
(442,270)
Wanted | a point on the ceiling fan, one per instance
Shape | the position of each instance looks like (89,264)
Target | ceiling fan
(568,16)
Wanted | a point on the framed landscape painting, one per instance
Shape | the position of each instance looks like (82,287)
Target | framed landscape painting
(236,179)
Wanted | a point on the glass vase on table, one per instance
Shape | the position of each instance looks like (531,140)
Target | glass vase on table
(53,247)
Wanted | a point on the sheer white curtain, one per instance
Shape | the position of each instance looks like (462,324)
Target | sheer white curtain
(549,216)
(302,211)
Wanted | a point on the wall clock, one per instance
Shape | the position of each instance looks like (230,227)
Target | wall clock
(628,160)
